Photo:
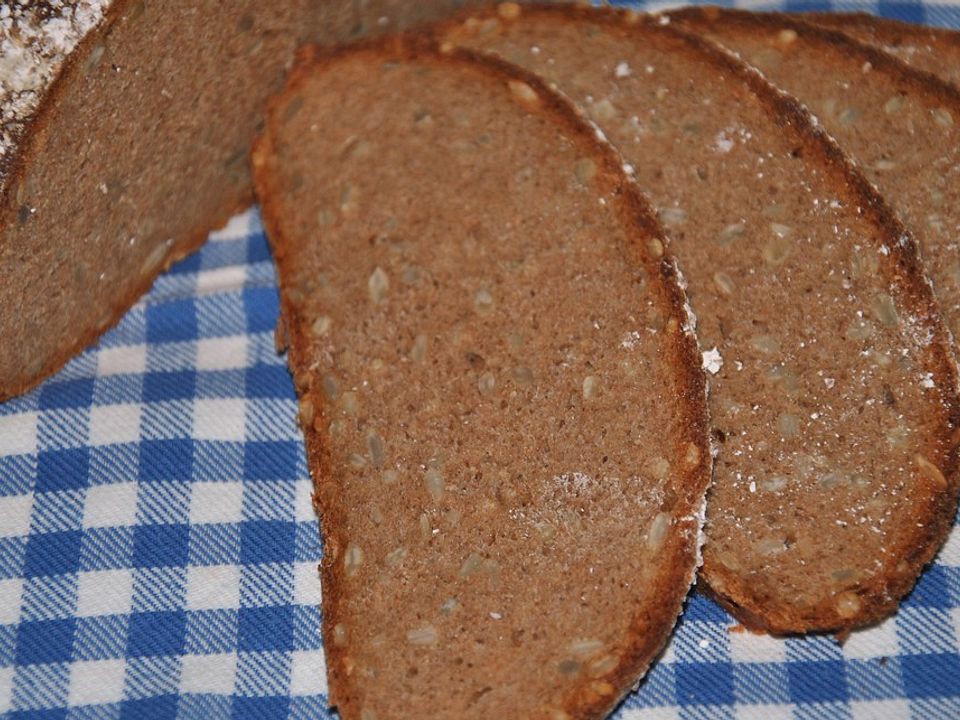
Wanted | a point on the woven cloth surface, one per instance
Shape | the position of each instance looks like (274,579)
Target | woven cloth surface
(158,549)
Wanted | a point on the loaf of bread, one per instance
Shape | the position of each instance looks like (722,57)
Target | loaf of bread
(499,386)
(833,394)
(125,129)
(932,49)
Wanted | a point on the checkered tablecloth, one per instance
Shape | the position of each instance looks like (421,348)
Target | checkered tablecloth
(158,550)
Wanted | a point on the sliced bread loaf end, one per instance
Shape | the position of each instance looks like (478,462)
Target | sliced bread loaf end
(499,387)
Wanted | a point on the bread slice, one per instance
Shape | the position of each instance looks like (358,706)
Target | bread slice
(902,126)
(125,129)
(935,50)
(833,394)
(499,386)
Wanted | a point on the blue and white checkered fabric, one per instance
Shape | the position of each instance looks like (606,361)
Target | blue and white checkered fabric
(158,549)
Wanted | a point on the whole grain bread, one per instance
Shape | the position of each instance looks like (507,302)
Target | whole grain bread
(499,386)
(125,129)
(833,394)
(901,125)
(935,50)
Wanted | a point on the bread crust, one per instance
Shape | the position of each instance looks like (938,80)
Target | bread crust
(889,35)
(652,625)
(31,146)
(880,596)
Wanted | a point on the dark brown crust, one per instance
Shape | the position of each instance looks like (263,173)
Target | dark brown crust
(650,629)
(886,30)
(918,80)
(32,145)
(881,596)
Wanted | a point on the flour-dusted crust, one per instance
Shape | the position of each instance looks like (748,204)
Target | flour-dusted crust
(807,289)
(36,38)
(124,136)
(415,623)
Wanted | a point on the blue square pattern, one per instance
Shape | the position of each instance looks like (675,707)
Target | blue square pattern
(161,544)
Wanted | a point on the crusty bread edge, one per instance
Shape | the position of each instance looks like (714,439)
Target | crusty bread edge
(903,263)
(909,275)
(593,699)
(31,145)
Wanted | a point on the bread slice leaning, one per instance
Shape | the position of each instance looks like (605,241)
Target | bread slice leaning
(499,387)
(935,50)
(902,126)
(833,393)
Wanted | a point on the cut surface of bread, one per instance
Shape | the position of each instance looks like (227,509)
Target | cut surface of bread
(932,49)
(833,390)
(125,129)
(499,387)
(901,126)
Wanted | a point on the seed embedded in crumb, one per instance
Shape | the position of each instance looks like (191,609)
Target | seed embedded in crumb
(859,329)
(368,714)
(585,648)
(655,248)
(390,476)
(893,105)
(569,667)
(470,565)
(585,170)
(731,232)
(424,525)
(433,481)
(658,467)
(482,300)
(671,217)
(787,36)
(657,532)
(395,557)
(357,460)
(508,10)
(330,387)
(691,457)
(884,309)
(777,250)
(425,635)
(931,471)
(789,425)
(943,117)
(848,604)
(449,606)
(376,448)
(339,634)
(849,116)
(603,665)
(321,326)
(325,218)
(523,376)
(603,110)
(602,688)
(352,558)
(418,353)
(306,412)
(774,484)
(486,383)
(724,283)
(523,92)
(350,403)
(591,387)
(377,284)
(767,344)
